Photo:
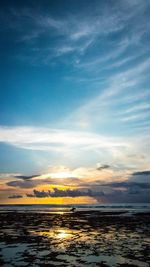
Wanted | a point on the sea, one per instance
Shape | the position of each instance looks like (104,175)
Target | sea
(51,208)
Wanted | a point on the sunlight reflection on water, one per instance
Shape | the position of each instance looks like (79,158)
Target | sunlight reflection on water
(63,234)
(56,233)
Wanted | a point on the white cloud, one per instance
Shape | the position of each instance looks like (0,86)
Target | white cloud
(79,147)
(135,117)
(45,138)
(123,87)
(139,107)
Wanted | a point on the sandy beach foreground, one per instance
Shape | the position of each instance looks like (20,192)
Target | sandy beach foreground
(87,238)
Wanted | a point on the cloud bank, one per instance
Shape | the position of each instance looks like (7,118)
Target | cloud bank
(129,189)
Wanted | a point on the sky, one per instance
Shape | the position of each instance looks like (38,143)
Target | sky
(74,101)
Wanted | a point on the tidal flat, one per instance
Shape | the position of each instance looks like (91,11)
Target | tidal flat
(74,239)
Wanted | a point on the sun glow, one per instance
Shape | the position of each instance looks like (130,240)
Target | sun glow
(61,175)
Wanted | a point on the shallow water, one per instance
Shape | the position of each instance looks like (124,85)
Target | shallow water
(73,240)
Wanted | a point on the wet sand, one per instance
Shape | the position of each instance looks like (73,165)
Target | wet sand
(87,238)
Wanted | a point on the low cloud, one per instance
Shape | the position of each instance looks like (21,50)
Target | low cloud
(109,195)
(127,184)
(15,196)
(41,194)
(140,177)
(24,184)
(120,187)
(26,177)
(32,183)
(30,195)
(142,173)
(134,190)
(65,193)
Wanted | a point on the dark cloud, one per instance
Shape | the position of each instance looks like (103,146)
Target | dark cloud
(30,195)
(122,184)
(103,167)
(142,173)
(124,192)
(41,194)
(15,196)
(26,177)
(127,184)
(32,183)
(24,184)
(134,190)
(128,196)
(140,177)
(65,193)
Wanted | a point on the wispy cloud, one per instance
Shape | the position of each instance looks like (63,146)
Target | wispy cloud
(47,139)
(80,146)
(138,107)
(136,117)
(122,98)
(79,29)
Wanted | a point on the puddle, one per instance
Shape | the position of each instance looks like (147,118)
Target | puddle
(113,261)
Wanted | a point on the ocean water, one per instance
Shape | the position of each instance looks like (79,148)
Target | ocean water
(51,208)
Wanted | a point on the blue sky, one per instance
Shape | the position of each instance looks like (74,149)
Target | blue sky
(74,86)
